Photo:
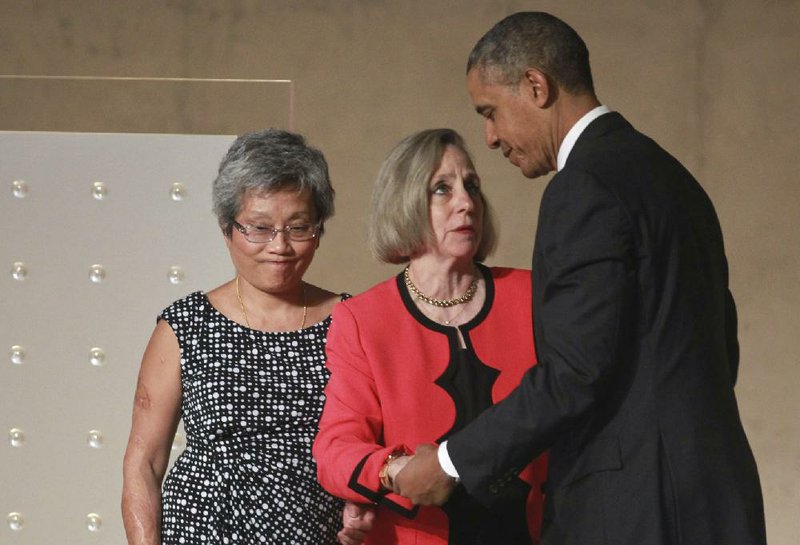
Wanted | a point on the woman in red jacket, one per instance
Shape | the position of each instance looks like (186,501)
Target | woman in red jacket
(418,356)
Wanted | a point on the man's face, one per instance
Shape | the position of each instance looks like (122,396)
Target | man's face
(514,123)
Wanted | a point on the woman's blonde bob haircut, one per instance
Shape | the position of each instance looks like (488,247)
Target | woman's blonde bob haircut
(400,226)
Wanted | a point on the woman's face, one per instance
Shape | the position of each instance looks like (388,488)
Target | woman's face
(456,207)
(277,266)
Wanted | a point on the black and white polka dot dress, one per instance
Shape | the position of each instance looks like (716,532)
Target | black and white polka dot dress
(251,403)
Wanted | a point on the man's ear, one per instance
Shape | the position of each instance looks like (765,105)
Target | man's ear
(537,85)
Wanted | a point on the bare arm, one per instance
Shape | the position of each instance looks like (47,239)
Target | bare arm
(156,411)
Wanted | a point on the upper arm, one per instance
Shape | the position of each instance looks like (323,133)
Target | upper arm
(731,336)
(351,392)
(156,406)
(584,295)
(585,302)
(351,424)
(350,446)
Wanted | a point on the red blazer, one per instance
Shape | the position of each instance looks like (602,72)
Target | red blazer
(384,357)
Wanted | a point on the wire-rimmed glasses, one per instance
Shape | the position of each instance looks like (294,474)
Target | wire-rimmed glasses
(262,234)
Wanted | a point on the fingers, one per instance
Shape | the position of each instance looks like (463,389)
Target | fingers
(422,479)
(345,538)
(357,520)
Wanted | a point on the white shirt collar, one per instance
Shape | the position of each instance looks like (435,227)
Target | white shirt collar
(576,130)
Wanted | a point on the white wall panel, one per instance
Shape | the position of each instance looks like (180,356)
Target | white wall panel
(58,229)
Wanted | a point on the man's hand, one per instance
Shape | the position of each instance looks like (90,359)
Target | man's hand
(422,479)
(357,522)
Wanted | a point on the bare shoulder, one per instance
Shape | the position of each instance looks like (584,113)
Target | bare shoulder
(321,300)
(220,292)
(223,299)
(162,355)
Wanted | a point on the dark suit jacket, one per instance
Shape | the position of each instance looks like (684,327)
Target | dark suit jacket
(638,354)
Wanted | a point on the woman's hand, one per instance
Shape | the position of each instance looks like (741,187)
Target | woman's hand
(394,467)
(357,522)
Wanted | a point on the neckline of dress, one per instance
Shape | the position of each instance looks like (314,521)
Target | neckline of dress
(214,309)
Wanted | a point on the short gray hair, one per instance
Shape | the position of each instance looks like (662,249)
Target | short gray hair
(268,161)
(399,224)
(533,40)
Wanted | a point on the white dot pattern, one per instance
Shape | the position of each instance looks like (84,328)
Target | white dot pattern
(251,404)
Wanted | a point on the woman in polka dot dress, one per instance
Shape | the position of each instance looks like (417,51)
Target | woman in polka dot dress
(243,365)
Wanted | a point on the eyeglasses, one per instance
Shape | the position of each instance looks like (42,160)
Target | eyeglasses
(258,234)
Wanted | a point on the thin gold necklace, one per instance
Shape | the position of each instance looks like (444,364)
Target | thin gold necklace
(452,319)
(443,303)
(241,305)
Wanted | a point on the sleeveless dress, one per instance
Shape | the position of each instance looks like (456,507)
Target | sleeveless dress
(251,405)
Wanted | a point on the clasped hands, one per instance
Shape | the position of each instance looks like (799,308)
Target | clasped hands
(420,478)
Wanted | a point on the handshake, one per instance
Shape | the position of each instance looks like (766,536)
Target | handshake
(418,477)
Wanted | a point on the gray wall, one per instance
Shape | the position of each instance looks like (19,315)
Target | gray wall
(713,81)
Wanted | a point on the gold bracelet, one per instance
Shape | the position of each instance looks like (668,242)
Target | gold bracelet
(383,474)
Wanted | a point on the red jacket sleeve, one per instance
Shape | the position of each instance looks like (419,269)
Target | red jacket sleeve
(349,448)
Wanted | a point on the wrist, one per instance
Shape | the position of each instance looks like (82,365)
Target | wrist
(386,474)
(445,463)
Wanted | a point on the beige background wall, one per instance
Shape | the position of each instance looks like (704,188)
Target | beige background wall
(713,81)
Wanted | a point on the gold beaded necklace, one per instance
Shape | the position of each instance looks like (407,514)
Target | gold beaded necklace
(443,303)
(241,305)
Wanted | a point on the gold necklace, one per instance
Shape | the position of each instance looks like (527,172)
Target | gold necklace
(241,305)
(452,319)
(470,293)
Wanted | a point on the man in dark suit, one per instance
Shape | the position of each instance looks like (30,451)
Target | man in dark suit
(635,327)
